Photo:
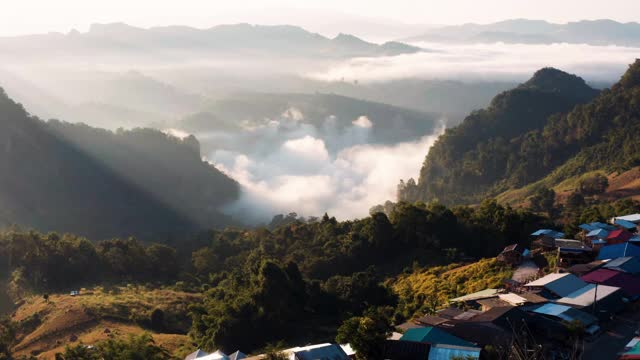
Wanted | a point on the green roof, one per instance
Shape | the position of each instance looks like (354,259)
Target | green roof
(433,335)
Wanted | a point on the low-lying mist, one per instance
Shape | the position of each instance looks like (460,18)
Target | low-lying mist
(482,62)
(300,174)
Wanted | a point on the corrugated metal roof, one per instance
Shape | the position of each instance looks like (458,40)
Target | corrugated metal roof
(587,227)
(487,293)
(433,335)
(585,296)
(601,233)
(513,299)
(630,284)
(634,218)
(566,313)
(600,225)
(559,284)
(618,251)
(196,355)
(322,351)
(443,352)
(625,224)
(628,264)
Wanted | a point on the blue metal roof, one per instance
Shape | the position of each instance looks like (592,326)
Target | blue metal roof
(600,233)
(433,335)
(625,224)
(445,352)
(587,227)
(618,251)
(604,226)
(627,264)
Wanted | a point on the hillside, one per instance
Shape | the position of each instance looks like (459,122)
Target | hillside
(492,150)
(73,178)
(428,289)
(45,327)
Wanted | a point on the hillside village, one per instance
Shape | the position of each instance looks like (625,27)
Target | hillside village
(567,299)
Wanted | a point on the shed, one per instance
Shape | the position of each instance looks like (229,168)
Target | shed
(433,335)
(618,251)
(238,355)
(627,264)
(559,285)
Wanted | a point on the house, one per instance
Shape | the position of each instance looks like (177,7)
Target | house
(545,238)
(432,335)
(587,228)
(628,264)
(608,300)
(513,254)
(556,285)
(618,236)
(618,251)
(630,284)
(448,352)
(566,313)
(572,252)
(201,355)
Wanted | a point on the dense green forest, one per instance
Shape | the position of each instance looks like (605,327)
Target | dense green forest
(258,284)
(72,178)
(497,148)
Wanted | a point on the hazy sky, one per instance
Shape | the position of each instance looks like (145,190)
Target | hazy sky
(37,16)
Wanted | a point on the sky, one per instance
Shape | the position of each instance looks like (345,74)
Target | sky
(40,16)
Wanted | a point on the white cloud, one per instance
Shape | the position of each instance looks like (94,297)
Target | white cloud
(486,62)
(363,122)
(346,185)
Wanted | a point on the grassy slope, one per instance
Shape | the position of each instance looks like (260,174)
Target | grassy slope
(621,185)
(442,283)
(46,327)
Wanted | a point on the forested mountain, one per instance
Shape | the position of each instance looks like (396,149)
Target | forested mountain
(495,148)
(74,178)
(523,31)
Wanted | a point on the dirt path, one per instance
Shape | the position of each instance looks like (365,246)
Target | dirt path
(525,272)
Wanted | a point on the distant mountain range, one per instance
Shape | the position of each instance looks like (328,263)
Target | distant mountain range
(119,39)
(594,32)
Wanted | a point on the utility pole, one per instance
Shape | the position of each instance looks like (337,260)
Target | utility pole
(595,299)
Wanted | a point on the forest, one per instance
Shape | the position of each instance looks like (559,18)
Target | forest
(552,127)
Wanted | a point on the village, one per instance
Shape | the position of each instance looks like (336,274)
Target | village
(583,307)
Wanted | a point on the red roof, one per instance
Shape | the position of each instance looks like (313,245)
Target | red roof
(630,284)
(619,234)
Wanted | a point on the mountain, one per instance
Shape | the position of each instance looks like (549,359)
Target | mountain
(170,43)
(496,148)
(73,178)
(328,114)
(594,32)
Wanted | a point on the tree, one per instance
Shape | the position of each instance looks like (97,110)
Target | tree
(594,185)
(544,201)
(366,334)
